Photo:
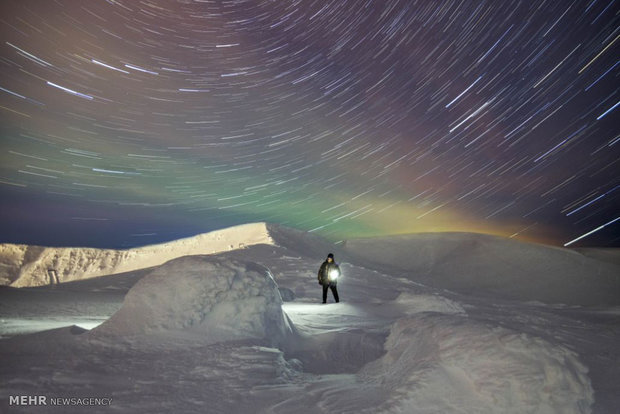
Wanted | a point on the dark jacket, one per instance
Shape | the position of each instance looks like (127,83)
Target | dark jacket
(324,270)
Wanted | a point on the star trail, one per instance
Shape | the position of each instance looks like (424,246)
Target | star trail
(133,122)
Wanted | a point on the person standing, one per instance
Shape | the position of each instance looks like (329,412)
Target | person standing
(328,277)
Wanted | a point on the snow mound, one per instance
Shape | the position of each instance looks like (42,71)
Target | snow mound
(436,363)
(427,303)
(471,263)
(211,298)
(22,265)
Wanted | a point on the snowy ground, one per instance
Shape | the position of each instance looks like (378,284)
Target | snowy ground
(208,334)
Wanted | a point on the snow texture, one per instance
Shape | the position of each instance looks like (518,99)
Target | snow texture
(495,266)
(427,303)
(442,364)
(428,323)
(22,266)
(214,299)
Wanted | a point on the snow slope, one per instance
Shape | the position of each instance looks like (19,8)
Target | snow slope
(210,334)
(472,263)
(22,266)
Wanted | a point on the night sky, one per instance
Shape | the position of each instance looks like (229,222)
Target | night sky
(127,123)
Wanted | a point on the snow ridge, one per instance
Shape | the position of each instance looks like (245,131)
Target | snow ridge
(23,266)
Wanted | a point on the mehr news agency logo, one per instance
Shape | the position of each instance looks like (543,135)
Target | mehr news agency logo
(43,400)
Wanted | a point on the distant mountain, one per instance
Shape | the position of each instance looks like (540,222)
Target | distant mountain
(23,265)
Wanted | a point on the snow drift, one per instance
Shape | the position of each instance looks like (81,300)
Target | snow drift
(471,263)
(22,265)
(418,303)
(442,363)
(207,297)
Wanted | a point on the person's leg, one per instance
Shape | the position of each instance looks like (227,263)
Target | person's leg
(335,293)
(325,293)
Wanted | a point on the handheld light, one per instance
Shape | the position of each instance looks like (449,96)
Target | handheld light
(333,274)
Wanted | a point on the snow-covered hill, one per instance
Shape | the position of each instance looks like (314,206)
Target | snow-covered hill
(472,263)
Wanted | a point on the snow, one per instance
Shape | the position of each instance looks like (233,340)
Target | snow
(495,266)
(22,266)
(214,299)
(427,323)
(427,303)
(442,363)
